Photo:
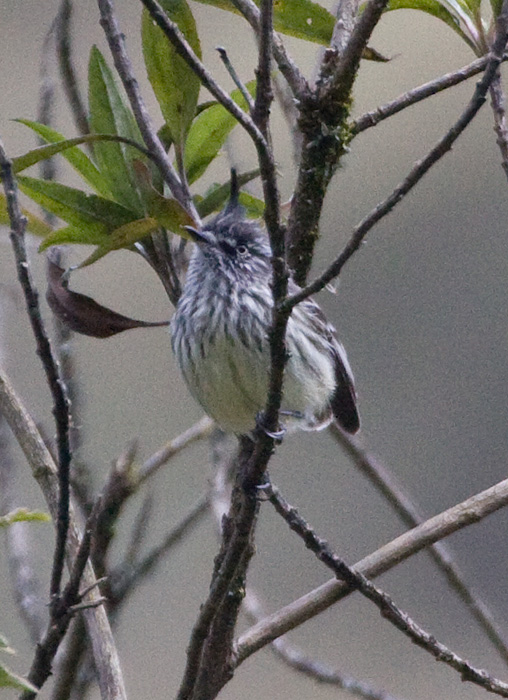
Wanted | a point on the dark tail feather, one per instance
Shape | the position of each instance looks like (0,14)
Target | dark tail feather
(344,401)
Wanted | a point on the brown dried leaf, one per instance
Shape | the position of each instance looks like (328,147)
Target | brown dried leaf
(81,313)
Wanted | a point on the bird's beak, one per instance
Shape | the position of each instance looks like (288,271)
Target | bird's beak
(202,236)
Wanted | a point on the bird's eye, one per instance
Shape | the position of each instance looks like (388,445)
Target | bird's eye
(241,249)
(228,247)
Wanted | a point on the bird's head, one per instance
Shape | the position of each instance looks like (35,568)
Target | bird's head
(232,242)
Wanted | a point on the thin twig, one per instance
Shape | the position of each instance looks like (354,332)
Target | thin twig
(388,609)
(235,77)
(67,70)
(123,65)
(69,603)
(48,169)
(127,576)
(388,485)
(498,100)
(200,430)
(417,94)
(119,486)
(184,50)
(44,471)
(468,512)
(415,175)
(287,66)
(67,661)
(49,362)
(139,530)
(314,669)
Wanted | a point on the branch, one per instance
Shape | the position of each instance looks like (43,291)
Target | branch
(346,13)
(70,602)
(264,92)
(235,78)
(116,41)
(199,431)
(416,174)
(388,609)
(128,575)
(389,487)
(466,513)
(208,653)
(315,670)
(287,66)
(49,362)
(67,70)
(324,125)
(498,100)
(45,473)
(433,87)
(338,70)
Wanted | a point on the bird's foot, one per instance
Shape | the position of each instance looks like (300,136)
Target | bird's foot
(276,435)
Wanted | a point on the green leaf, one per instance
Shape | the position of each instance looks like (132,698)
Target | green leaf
(83,235)
(300,18)
(496,6)
(303,19)
(8,679)
(122,237)
(254,207)
(23,515)
(174,83)
(34,224)
(68,147)
(4,646)
(208,134)
(75,206)
(110,115)
(168,212)
(434,8)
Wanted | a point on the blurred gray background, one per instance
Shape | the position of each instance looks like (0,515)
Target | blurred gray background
(422,309)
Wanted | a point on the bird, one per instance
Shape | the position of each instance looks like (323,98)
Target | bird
(219,335)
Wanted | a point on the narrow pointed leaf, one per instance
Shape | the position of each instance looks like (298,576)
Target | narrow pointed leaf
(174,83)
(123,237)
(168,212)
(434,8)
(496,6)
(23,515)
(8,679)
(83,314)
(462,9)
(4,646)
(34,224)
(208,134)
(89,234)
(254,207)
(75,206)
(68,147)
(110,115)
(300,18)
